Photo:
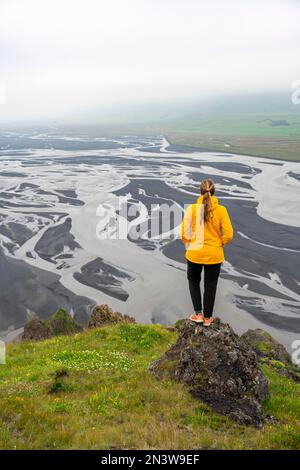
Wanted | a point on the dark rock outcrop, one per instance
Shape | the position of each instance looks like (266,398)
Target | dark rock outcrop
(60,323)
(103,315)
(36,330)
(219,368)
(269,351)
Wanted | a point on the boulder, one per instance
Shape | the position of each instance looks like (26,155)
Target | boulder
(61,323)
(103,315)
(269,351)
(219,368)
(36,330)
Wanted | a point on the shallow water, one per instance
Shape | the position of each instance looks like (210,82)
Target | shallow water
(58,193)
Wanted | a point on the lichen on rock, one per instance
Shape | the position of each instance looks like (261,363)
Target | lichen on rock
(104,315)
(269,351)
(36,330)
(219,368)
(60,323)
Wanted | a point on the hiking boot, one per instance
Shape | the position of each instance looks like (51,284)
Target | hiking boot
(208,321)
(198,318)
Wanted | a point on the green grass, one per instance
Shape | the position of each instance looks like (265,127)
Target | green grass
(249,134)
(93,391)
(246,124)
(244,133)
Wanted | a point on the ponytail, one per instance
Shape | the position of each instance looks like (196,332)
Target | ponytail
(207,189)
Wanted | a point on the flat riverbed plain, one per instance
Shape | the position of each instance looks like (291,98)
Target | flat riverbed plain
(60,197)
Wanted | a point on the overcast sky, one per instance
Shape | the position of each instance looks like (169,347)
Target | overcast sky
(59,57)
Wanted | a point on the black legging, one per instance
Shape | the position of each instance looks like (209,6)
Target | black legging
(211,275)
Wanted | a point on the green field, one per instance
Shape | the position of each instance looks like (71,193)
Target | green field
(93,390)
(264,125)
(272,136)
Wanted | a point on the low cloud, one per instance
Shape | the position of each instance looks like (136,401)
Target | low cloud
(62,56)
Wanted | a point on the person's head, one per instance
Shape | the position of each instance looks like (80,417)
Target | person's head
(207,189)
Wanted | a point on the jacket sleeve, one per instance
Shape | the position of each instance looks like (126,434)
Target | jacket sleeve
(186,229)
(226,227)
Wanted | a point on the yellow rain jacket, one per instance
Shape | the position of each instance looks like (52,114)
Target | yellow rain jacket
(204,242)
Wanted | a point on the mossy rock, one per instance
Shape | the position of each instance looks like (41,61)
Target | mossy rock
(218,368)
(164,369)
(59,385)
(277,364)
(265,345)
(179,323)
(36,330)
(61,323)
(269,351)
(103,315)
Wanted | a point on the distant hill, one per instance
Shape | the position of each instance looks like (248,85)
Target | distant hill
(170,112)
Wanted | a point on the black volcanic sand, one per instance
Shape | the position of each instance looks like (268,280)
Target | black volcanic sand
(13,174)
(223,166)
(156,192)
(36,290)
(294,175)
(251,305)
(61,199)
(262,230)
(117,160)
(153,188)
(250,257)
(104,277)
(189,149)
(234,167)
(194,189)
(7,204)
(130,211)
(18,233)
(271,163)
(245,255)
(220,180)
(10,141)
(150,149)
(63,196)
(41,291)
(48,215)
(54,240)
(21,142)
(69,193)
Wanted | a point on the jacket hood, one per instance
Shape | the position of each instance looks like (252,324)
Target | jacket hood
(214,201)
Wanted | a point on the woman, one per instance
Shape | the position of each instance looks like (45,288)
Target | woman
(205,230)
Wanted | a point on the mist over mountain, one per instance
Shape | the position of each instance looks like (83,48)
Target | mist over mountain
(191,109)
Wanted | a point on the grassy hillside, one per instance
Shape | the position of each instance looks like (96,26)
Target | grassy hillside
(269,134)
(246,124)
(93,391)
(265,135)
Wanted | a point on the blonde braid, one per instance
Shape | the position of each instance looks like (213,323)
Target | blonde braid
(207,189)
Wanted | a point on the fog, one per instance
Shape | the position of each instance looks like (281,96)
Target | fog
(61,57)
